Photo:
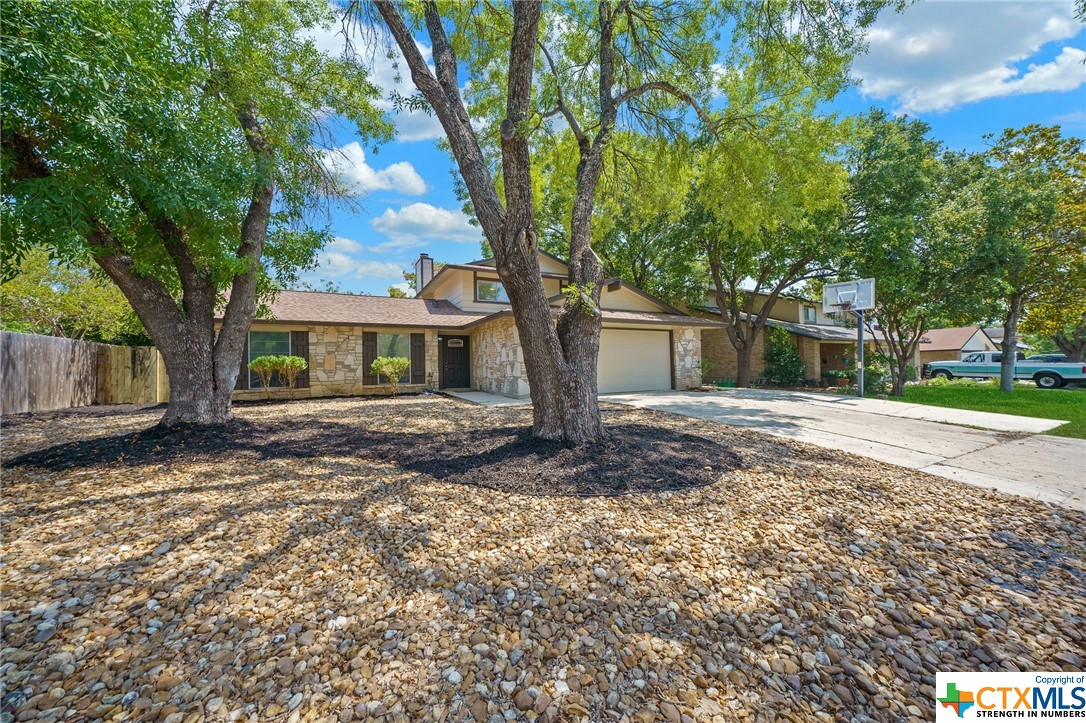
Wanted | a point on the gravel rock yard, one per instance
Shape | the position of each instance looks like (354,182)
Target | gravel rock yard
(301,571)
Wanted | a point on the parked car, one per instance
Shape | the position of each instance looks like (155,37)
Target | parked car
(1047,358)
(986,364)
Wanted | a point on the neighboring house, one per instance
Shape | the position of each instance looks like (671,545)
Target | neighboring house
(459,333)
(995,333)
(946,344)
(824,342)
(943,344)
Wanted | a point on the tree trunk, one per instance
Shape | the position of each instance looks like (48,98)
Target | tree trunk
(194,396)
(1073,344)
(1074,349)
(1010,343)
(898,370)
(743,354)
(559,359)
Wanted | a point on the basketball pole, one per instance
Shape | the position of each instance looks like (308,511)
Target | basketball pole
(860,354)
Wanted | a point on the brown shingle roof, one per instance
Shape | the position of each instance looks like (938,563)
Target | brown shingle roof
(317,307)
(628,317)
(947,339)
(648,317)
(313,307)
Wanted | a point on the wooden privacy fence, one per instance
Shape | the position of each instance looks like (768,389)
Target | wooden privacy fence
(40,373)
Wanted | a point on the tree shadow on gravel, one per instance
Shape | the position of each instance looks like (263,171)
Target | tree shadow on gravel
(636,458)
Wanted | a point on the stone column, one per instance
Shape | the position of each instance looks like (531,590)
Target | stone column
(686,357)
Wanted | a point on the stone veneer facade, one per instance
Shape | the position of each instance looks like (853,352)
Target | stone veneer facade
(810,351)
(686,356)
(497,361)
(335,363)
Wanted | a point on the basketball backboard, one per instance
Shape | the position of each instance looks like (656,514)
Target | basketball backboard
(855,295)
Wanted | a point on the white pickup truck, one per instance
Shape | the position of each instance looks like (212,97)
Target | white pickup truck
(986,364)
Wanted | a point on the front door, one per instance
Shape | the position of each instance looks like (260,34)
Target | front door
(454,362)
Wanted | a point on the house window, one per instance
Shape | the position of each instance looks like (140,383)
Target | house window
(267,343)
(809,315)
(394,345)
(490,291)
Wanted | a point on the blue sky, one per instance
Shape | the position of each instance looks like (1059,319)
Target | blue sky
(966,68)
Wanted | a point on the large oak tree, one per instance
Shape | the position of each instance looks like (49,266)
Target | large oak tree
(600,67)
(913,221)
(173,145)
(762,213)
(1036,204)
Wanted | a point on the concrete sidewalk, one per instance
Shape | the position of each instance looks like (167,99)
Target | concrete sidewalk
(1001,456)
(487,399)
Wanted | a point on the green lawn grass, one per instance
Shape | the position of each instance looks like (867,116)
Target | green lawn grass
(1069,404)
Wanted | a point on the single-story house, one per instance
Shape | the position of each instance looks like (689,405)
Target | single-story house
(945,344)
(954,343)
(824,343)
(459,333)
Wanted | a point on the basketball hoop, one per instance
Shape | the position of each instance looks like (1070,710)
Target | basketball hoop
(852,297)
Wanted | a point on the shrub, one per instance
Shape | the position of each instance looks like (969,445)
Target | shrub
(962,382)
(876,380)
(289,367)
(265,367)
(391,368)
(783,363)
(707,368)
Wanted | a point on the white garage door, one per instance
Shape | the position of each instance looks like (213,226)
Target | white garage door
(634,361)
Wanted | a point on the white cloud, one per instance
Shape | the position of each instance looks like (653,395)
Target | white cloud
(337,265)
(935,56)
(414,224)
(348,164)
(344,245)
(391,75)
(339,260)
(1074,118)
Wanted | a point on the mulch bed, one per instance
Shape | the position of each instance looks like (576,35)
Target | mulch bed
(635,458)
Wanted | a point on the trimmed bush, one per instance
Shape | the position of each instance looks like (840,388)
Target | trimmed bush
(281,369)
(265,367)
(289,367)
(391,368)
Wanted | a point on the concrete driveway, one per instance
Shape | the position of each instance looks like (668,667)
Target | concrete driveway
(1006,454)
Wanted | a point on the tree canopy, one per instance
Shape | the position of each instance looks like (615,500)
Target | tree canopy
(177,146)
(45,296)
(133,108)
(912,222)
(1035,199)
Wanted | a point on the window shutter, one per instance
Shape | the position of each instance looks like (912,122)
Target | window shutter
(369,353)
(243,374)
(418,358)
(299,346)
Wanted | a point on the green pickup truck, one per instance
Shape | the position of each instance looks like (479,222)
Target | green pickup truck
(986,364)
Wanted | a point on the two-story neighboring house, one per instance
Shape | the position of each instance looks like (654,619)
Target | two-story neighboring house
(459,333)
(823,341)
